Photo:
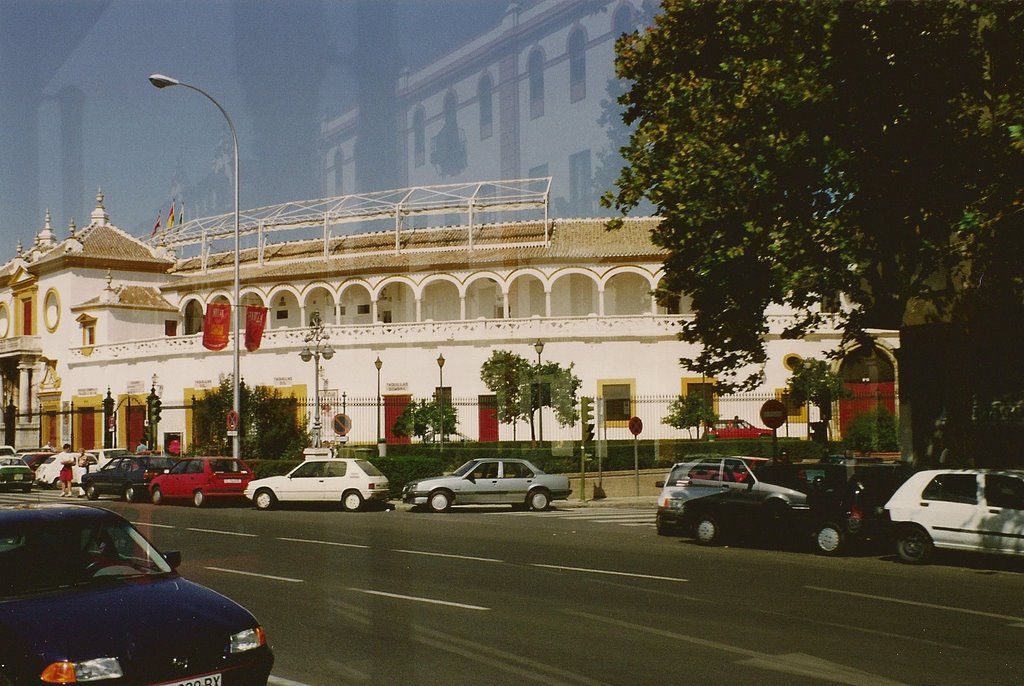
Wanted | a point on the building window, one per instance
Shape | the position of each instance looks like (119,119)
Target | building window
(339,164)
(486,99)
(535,71)
(170,327)
(577,66)
(363,309)
(448,147)
(618,406)
(580,184)
(193,318)
(419,137)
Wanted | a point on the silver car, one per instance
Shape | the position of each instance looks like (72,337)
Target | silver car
(489,481)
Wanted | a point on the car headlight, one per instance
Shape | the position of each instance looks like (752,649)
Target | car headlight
(87,670)
(248,640)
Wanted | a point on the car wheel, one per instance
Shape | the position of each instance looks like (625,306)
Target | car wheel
(707,531)
(440,501)
(129,492)
(829,539)
(55,483)
(664,529)
(158,496)
(198,498)
(539,500)
(91,492)
(914,545)
(351,501)
(264,499)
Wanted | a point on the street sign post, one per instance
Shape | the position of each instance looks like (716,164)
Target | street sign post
(342,424)
(232,423)
(773,414)
(636,425)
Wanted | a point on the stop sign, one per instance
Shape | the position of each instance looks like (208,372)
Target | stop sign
(773,414)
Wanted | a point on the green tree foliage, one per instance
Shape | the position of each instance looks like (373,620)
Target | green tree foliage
(814,381)
(812,148)
(522,388)
(422,418)
(269,426)
(690,412)
(873,431)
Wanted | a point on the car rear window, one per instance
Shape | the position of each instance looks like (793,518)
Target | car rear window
(227,466)
(368,468)
(952,488)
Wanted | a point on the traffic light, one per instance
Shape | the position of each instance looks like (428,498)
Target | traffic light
(587,417)
(154,411)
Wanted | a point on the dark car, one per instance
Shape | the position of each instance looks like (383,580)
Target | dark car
(774,499)
(125,477)
(85,597)
(15,474)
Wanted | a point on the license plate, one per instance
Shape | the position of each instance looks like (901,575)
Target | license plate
(232,481)
(17,477)
(207,680)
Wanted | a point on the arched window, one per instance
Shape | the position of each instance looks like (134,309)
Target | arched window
(419,137)
(535,70)
(622,21)
(339,161)
(193,317)
(577,66)
(486,100)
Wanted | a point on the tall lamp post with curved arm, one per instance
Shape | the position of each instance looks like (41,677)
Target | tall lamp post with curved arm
(161,81)
(316,347)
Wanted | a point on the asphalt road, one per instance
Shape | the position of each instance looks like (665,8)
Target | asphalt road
(593,596)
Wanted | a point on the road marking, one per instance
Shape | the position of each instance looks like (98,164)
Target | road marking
(793,663)
(341,545)
(419,599)
(262,576)
(219,531)
(279,681)
(456,557)
(915,603)
(610,572)
(155,526)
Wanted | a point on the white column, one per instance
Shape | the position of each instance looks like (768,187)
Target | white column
(24,389)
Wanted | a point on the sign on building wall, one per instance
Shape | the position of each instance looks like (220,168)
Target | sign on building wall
(396,386)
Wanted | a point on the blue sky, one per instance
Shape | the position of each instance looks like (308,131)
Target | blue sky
(277,67)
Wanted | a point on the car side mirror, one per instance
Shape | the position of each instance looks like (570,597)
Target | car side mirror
(173,558)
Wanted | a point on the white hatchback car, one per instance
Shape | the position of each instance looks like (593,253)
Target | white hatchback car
(352,482)
(962,509)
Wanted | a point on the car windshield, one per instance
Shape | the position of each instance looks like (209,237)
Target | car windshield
(465,468)
(45,555)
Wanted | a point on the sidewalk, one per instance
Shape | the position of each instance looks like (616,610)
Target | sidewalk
(640,501)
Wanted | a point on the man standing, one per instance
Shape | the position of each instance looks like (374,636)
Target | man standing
(67,460)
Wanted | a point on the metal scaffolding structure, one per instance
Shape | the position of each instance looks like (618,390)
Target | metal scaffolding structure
(515,195)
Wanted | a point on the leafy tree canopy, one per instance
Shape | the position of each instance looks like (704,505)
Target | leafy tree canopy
(803,149)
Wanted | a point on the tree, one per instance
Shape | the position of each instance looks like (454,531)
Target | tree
(814,381)
(690,412)
(872,149)
(422,418)
(522,388)
(269,426)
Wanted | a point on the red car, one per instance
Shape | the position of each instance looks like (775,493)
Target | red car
(199,478)
(736,428)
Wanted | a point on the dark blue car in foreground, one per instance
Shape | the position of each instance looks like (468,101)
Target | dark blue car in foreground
(84,597)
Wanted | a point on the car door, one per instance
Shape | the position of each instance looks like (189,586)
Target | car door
(305,483)
(481,484)
(174,484)
(516,479)
(1003,515)
(950,509)
(705,479)
(111,476)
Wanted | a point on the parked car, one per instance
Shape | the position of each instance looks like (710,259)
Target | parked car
(7,451)
(34,459)
(125,477)
(48,472)
(698,478)
(489,481)
(736,428)
(352,482)
(201,478)
(104,455)
(65,566)
(15,474)
(771,498)
(967,509)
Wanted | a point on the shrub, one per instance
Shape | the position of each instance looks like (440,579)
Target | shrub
(872,431)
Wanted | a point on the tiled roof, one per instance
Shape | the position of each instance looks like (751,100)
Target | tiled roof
(431,249)
(104,244)
(130,297)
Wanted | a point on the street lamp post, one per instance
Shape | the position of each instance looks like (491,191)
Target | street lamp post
(320,348)
(440,397)
(539,347)
(161,81)
(378,364)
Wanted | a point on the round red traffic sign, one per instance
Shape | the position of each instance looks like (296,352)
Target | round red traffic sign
(773,413)
(636,425)
(342,424)
(232,420)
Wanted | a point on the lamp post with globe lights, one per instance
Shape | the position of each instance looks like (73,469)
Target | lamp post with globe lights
(539,347)
(317,346)
(440,398)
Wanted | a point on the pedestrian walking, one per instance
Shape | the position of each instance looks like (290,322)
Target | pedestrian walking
(67,473)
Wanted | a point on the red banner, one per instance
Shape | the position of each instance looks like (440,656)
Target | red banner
(216,325)
(255,322)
